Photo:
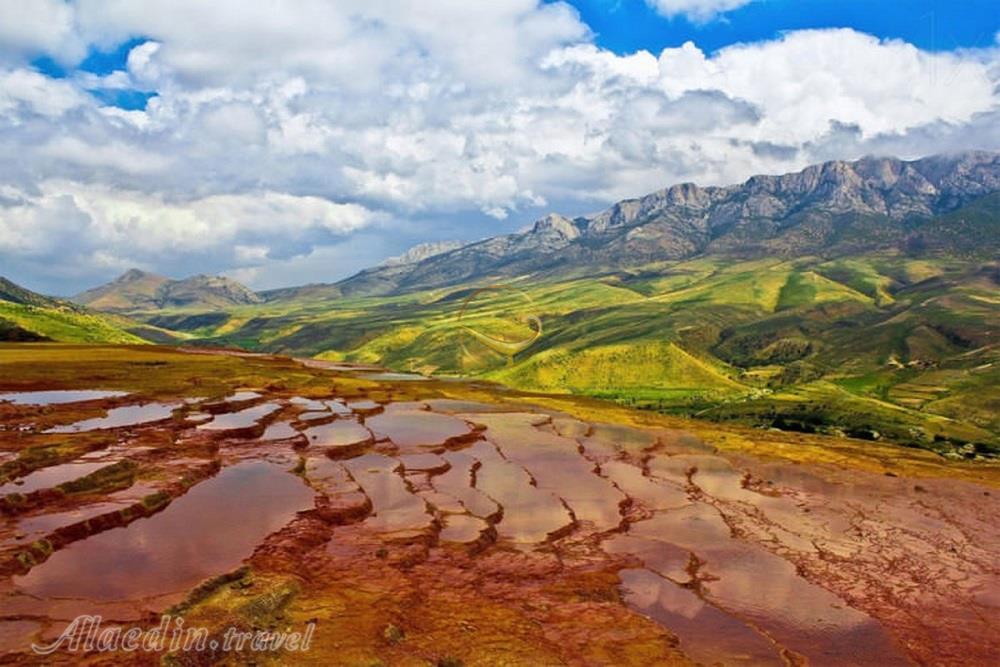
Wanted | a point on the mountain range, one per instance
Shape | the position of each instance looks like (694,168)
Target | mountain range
(860,298)
(832,209)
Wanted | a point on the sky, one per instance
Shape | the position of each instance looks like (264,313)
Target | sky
(290,142)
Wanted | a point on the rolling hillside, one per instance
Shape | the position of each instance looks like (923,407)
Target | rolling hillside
(880,347)
(26,316)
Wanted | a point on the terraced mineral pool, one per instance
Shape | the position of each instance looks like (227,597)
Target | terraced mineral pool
(364,406)
(338,407)
(425,462)
(462,528)
(59,397)
(767,592)
(418,428)
(339,439)
(556,465)
(328,474)
(240,420)
(608,441)
(36,527)
(129,415)
(706,634)
(665,559)
(280,431)
(308,403)
(46,478)
(455,406)
(530,515)
(315,416)
(396,509)
(405,406)
(456,483)
(654,494)
(205,532)
(243,396)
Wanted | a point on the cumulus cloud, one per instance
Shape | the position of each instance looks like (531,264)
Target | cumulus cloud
(90,225)
(116,156)
(280,133)
(35,27)
(481,44)
(699,11)
(807,78)
(25,92)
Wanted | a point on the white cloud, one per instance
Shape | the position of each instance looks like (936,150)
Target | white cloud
(140,229)
(246,155)
(24,92)
(352,45)
(30,28)
(140,64)
(116,156)
(807,78)
(699,11)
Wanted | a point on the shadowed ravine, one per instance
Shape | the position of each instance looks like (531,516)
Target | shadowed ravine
(480,523)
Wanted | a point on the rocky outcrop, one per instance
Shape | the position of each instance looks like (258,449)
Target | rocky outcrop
(422,251)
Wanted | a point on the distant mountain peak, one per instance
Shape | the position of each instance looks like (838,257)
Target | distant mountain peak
(138,290)
(134,274)
(556,224)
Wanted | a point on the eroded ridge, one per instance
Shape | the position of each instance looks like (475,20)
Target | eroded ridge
(415,523)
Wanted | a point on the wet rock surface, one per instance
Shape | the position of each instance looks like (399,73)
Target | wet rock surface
(483,529)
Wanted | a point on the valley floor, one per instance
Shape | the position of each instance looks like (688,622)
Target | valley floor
(411,521)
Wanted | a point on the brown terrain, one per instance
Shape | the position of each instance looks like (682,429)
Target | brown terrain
(424,522)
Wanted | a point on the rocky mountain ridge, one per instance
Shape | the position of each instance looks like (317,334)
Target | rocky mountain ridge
(833,208)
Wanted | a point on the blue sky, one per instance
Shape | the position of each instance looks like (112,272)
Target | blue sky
(625,26)
(299,141)
(101,62)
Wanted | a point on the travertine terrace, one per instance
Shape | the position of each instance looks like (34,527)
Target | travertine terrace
(425,522)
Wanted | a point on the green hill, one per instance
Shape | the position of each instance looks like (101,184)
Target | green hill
(28,316)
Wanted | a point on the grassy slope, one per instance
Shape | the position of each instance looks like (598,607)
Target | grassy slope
(29,316)
(886,344)
(69,325)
